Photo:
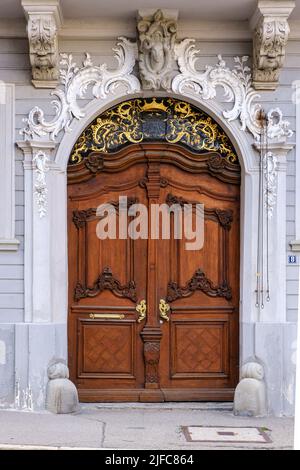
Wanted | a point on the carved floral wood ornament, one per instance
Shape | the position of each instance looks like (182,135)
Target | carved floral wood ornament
(200,282)
(106,281)
(102,82)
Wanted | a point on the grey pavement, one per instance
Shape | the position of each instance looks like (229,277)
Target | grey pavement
(133,426)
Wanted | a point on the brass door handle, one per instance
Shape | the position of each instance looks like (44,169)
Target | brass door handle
(141,308)
(164,308)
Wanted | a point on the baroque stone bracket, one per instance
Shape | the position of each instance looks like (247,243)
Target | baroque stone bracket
(44,19)
(270,35)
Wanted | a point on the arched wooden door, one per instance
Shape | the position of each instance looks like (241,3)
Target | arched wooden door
(118,352)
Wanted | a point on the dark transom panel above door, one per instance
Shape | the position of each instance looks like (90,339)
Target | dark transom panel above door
(148,319)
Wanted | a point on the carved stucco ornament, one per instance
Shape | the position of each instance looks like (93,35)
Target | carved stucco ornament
(75,83)
(44,58)
(237,87)
(43,24)
(40,161)
(270,168)
(157,36)
(269,42)
(270,36)
(190,82)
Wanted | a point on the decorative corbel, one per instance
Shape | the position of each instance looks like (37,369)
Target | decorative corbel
(270,35)
(44,19)
(156,42)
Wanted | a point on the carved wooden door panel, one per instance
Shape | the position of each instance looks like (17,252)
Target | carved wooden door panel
(199,346)
(189,352)
(107,279)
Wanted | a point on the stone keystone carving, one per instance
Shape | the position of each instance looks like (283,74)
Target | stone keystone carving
(271,31)
(157,37)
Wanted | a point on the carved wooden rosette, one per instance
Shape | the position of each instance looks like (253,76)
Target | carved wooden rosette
(94,163)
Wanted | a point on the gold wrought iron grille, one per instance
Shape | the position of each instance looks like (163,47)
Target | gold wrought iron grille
(153,119)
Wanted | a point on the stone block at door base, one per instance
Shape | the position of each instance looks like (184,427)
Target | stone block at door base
(250,394)
(61,395)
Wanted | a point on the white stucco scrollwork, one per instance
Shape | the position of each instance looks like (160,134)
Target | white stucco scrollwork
(237,86)
(40,161)
(75,82)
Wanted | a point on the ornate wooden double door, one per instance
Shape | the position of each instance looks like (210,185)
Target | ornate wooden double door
(150,320)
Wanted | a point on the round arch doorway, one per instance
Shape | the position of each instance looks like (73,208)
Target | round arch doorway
(150,320)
